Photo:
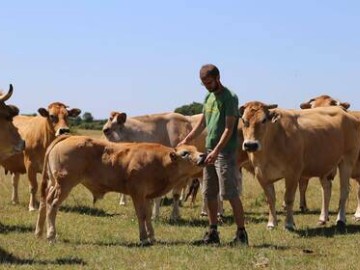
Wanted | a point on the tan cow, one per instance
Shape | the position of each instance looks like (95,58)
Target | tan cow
(326,101)
(293,144)
(142,170)
(165,128)
(38,132)
(10,140)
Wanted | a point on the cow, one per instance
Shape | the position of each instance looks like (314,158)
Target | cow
(38,132)
(142,170)
(165,128)
(292,144)
(10,140)
(326,101)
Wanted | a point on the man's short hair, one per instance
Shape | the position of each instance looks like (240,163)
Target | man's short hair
(209,70)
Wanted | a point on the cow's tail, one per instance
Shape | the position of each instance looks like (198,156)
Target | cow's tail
(45,171)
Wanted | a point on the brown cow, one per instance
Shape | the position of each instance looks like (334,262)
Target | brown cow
(293,144)
(165,128)
(10,140)
(38,132)
(326,101)
(142,170)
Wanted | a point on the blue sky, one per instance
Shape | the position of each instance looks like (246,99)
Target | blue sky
(143,57)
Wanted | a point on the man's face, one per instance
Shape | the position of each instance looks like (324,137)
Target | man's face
(210,83)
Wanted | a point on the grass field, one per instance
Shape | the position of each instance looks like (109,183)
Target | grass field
(106,236)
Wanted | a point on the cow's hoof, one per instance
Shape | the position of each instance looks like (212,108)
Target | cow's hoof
(341,226)
(122,203)
(304,209)
(14,202)
(145,243)
(270,227)
(32,209)
(289,228)
(321,223)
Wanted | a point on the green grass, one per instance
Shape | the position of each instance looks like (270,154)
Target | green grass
(106,236)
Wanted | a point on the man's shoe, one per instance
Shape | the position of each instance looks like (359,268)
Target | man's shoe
(211,237)
(241,238)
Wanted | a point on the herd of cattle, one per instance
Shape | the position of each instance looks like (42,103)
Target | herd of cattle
(140,157)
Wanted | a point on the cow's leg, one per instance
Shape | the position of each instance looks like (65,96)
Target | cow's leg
(345,170)
(290,191)
(303,185)
(326,185)
(357,213)
(156,208)
(271,200)
(140,209)
(33,204)
(175,215)
(15,185)
(42,215)
(148,223)
(123,199)
(56,196)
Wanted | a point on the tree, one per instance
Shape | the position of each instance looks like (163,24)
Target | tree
(191,109)
(87,117)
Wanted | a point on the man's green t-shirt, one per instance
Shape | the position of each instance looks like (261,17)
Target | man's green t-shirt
(216,108)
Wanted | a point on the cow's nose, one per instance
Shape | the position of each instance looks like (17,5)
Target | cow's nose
(201,159)
(250,146)
(64,131)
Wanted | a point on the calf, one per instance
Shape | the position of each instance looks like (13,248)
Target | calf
(142,170)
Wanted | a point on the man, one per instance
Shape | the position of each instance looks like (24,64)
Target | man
(220,117)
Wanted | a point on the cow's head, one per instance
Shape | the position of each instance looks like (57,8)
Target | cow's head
(255,118)
(114,125)
(10,140)
(324,101)
(189,154)
(58,114)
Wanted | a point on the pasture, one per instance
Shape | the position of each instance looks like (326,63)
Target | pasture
(106,236)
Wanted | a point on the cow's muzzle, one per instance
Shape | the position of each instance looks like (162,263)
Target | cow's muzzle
(62,131)
(201,160)
(251,146)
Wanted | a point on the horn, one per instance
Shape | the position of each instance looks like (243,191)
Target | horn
(5,97)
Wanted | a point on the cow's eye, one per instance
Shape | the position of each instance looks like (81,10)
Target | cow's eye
(263,121)
(54,118)
(246,123)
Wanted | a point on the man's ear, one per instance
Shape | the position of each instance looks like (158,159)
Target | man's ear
(43,112)
(173,156)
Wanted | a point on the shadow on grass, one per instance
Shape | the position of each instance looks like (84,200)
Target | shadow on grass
(5,229)
(271,246)
(328,231)
(85,210)
(8,258)
(126,243)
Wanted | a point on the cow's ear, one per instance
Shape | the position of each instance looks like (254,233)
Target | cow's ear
(121,119)
(241,111)
(305,105)
(273,116)
(43,112)
(13,110)
(173,156)
(345,105)
(74,112)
